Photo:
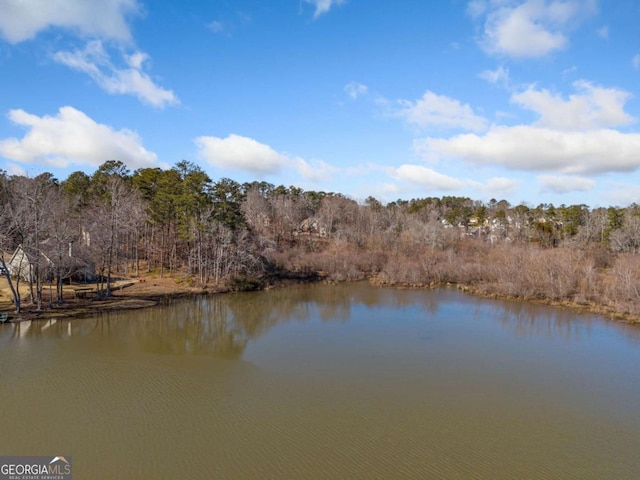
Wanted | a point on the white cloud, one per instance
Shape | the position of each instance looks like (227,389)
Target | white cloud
(526,29)
(426,177)
(131,80)
(71,137)
(603,32)
(240,153)
(323,6)
(355,89)
(501,186)
(313,171)
(440,111)
(498,76)
(542,149)
(635,61)
(136,60)
(573,135)
(246,154)
(592,107)
(565,184)
(22,19)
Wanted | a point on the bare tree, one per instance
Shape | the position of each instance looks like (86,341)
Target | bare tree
(258,211)
(109,220)
(6,227)
(62,245)
(30,200)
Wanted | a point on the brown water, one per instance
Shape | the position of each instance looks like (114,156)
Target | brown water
(327,382)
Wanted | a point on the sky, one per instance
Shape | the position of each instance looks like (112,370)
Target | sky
(532,101)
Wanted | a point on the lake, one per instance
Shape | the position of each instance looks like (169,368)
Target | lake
(320,382)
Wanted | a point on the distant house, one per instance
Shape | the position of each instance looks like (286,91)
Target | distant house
(21,264)
(312,227)
(81,270)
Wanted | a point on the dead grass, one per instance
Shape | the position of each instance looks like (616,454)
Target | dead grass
(127,294)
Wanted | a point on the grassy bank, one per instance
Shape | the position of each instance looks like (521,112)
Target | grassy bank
(83,300)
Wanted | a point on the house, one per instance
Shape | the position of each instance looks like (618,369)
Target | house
(22,265)
(311,227)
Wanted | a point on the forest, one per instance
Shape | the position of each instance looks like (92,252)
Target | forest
(180,223)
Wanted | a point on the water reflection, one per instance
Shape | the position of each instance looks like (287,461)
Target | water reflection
(346,381)
(222,325)
(528,319)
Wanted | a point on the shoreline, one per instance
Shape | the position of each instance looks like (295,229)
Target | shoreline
(590,308)
(133,295)
(152,291)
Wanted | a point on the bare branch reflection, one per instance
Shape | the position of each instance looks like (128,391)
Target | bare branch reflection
(223,325)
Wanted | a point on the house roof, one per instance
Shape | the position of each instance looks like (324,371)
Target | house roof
(25,254)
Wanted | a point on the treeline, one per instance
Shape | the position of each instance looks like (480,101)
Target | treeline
(181,222)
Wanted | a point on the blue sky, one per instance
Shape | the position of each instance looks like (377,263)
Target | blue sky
(532,101)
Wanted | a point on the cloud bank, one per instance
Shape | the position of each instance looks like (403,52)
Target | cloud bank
(527,29)
(72,138)
(590,108)
(245,154)
(426,177)
(23,20)
(565,184)
(440,111)
(573,135)
(531,148)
